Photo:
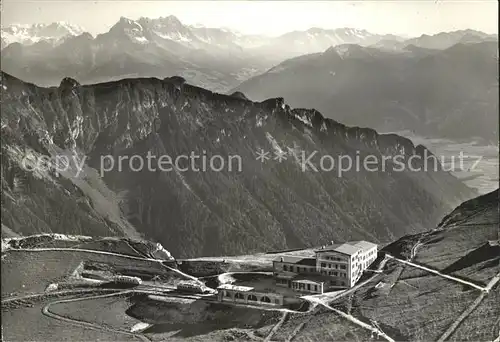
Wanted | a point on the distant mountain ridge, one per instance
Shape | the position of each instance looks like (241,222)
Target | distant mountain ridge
(449,93)
(446,40)
(215,58)
(31,34)
(296,43)
(146,47)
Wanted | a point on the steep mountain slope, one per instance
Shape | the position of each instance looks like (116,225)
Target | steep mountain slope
(252,206)
(448,93)
(470,228)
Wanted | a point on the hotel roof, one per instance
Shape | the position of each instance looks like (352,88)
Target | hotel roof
(235,288)
(345,248)
(365,245)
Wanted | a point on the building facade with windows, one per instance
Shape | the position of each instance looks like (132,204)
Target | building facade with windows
(334,266)
(247,295)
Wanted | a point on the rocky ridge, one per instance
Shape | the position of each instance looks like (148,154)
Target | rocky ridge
(263,206)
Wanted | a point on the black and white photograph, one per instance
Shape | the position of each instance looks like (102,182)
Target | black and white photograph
(273,171)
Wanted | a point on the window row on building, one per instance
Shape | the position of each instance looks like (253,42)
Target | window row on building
(305,287)
(334,273)
(298,269)
(334,258)
(336,266)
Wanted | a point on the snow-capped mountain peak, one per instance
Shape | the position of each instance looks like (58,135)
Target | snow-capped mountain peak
(31,34)
(63,27)
(126,27)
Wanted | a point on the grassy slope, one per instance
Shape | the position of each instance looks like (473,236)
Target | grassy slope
(420,305)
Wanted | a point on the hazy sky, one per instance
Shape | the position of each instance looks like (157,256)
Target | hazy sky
(406,17)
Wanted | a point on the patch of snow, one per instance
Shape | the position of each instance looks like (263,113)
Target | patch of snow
(273,142)
(141,39)
(259,122)
(52,287)
(139,25)
(31,34)
(65,237)
(323,127)
(174,36)
(5,245)
(342,50)
(304,119)
(77,127)
(140,327)
(77,271)
(160,248)
(171,299)
(225,278)
(54,236)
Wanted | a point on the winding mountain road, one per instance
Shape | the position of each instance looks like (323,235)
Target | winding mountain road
(46,311)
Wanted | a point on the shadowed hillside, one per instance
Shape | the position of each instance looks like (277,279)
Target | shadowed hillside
(264,206)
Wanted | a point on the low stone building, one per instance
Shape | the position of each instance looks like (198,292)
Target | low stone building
(247,295)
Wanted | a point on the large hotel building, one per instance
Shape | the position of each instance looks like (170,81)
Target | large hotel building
(333,267)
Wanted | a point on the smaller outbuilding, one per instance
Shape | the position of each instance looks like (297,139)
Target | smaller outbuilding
(247,295)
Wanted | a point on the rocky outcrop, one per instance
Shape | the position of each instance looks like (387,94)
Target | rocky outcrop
(239,95)
(193,211)
(473,207)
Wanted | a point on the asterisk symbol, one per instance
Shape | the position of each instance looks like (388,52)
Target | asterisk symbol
(280,155)
(262,156)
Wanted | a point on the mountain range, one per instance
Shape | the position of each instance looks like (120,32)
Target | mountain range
(260,206)
(146,47)
(30,34)
(160,154)
(449,93)
(215,58)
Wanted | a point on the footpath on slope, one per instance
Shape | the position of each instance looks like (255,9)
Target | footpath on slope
(430,270)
